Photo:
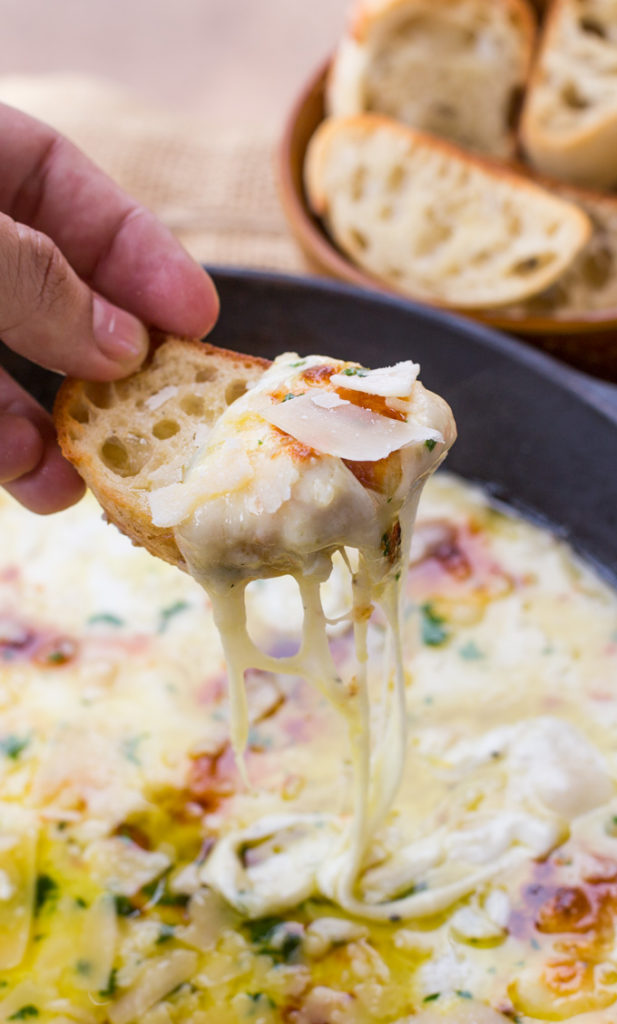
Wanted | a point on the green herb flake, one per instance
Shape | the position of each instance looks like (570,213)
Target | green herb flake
(167,614)
(106,619)
(431,999)
(25,1012)
(112,984)
(80,902)
(430,443)
(45,891)
(262,934)
(261,998)
(166,932)
(130,746)
(83,967)
(300,362)
(289,396)
(462,993)
(124,907)
(471,652)
(57,658)
(12,746)
(355,371)
(432,626)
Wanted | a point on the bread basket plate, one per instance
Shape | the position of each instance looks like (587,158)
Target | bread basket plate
(588,341)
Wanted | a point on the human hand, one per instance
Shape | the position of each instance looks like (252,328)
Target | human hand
(82,268)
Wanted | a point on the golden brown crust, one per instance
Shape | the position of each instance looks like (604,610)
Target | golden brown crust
(129,436)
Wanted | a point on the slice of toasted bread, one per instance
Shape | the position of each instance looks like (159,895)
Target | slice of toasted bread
(590,283)
(569,122)
(455,68)
(131,436)
(434,222)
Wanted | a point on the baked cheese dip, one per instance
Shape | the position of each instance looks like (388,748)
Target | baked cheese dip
(129,840)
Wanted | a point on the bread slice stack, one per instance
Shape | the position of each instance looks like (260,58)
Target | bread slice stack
(138,434)
(569,123)
(428,219)
(455,68)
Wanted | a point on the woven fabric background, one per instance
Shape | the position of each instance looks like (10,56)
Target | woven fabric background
(215,190)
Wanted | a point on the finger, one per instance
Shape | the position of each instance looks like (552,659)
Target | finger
(21,447)
(32,466)
(110,240)
(50,316)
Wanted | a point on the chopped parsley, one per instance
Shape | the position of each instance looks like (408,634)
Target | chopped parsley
(265,934)
(124,906)
(471,652)
(355,371)
(12,746)
(289,396)
(431,999)
(45,891)
(261,997)
(432,625)
(129,747)
(106,619)
(167,614)
(112,985)
(430,443)
(462,993)
(25,1012)
(83,967)
(166,932)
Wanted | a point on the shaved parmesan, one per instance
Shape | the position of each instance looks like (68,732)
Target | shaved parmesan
(345,430)
(229,469)
(388,381)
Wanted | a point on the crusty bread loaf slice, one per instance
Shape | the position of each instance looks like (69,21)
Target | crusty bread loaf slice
(590,284)
(131,436)
(455,68)
(569,122)
(432,221)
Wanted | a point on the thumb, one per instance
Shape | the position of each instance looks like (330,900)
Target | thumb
(49,315)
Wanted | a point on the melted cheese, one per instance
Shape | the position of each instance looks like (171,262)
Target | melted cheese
(291,500)
(115,765)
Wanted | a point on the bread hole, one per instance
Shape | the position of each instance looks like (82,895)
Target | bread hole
(597,267)
(358,239)
(192,405)
(593,27)
(396,177)
(572,97)
(80,412)
(358,180)
(100,394)
(165,428)
(208,373)
(235,389)
(532,264)
(125,457)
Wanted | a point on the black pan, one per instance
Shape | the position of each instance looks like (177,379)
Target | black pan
(541,436)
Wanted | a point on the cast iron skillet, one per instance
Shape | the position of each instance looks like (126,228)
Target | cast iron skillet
(541,436)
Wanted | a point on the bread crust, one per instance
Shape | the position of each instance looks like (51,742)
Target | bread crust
(561,133)
(121,421)
(524,191)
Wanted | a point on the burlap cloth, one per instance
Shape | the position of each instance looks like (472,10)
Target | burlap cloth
(214,188)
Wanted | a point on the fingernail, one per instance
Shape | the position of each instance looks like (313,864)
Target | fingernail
(119,335)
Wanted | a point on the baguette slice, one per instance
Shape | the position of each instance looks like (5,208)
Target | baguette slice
(130,436)
(455,68)
(590,283)
(569,122)
(433,222)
